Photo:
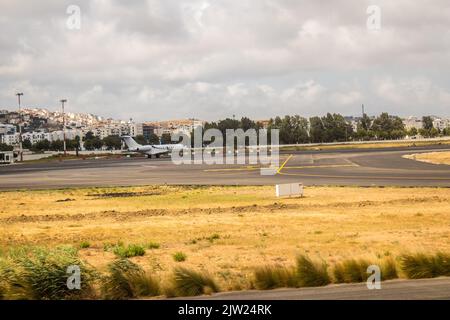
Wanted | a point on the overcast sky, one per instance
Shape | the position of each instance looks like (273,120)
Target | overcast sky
(209,59)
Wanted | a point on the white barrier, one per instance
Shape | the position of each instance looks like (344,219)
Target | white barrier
(289,190)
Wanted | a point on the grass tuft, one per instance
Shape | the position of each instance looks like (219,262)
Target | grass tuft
(420,265)
(152,245)
(389,269)
(351,270)
(127,280)
(132,250)
(187,283)
(179,256)
(85,245)
(271,277)
(311,274)
(42,274)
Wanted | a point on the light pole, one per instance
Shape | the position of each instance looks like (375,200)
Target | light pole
(19,94)
(64,125)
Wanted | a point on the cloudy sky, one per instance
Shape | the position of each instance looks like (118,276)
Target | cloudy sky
(209,59)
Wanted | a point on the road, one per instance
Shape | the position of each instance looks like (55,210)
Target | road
(363,167)
(429,289)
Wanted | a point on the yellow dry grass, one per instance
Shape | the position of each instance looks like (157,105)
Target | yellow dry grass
(253,226)
(391,144)
(432,157)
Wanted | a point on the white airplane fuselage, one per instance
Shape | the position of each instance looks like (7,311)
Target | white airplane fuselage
(150,150)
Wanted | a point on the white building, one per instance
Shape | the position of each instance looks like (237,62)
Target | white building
(35,137)
(441,124)
(7,129)
(413,122)
(10,139)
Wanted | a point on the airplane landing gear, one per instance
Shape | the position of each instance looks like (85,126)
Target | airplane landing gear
(149,156)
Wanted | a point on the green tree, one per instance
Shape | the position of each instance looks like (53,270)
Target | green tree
(413,132)
(166,138)
(5,147)
(26,144)
(141,139)
(93,144)
(316,130)
(89,135)
(388,127)
(112,142)
(153,139)
(43,145)
(57,145)
(427,123)
(336,128)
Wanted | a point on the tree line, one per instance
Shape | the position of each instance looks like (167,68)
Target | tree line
(333,128)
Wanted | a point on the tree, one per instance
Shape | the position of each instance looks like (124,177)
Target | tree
(26,144)
(57,145)
(336,128)
(5,147)
(153,139)
(434,133)
(293,129)
(247,124)
(93,144)
(112,142)
(427,123)
(365,123)
(413,132)
(89,136)
(316,130)
(166,138)
(140,139)
(388,127)
(42,145)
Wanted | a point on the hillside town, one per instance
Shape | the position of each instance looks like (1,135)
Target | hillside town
(39,125)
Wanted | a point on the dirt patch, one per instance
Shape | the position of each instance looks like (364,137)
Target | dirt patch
(124,194)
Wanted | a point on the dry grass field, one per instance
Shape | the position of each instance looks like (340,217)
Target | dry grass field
(229,231)
(432,157)
(392,144)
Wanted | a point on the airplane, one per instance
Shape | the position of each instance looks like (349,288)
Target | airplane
(150,150)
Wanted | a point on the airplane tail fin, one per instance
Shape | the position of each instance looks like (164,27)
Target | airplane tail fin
(131,143)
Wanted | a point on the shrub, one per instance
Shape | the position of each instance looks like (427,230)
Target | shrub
(271,277)
(442,264)
(128,280)
(311,274)
(188,283)
(419,265)
(132,250)
(213,237)
(153,245)
(351,270)
(179,256)
(85,245)
(42,274)
(389,269)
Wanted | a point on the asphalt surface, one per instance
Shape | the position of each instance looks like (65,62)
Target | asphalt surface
(363,167)
(424,289)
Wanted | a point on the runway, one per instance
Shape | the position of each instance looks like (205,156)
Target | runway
(357,167)
(423,289)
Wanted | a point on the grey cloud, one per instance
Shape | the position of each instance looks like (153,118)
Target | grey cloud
(210,58)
